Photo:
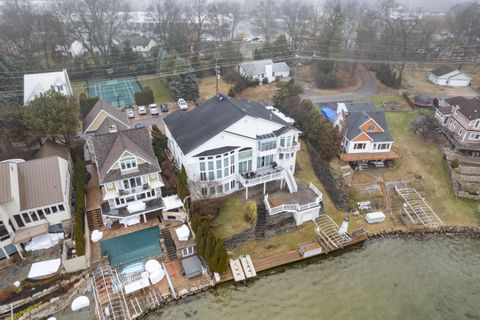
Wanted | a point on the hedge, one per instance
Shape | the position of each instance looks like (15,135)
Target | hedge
(79,222)
(144,97)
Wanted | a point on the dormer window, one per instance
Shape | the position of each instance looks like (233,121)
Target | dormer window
(112,128)
(371,128)
(128,163)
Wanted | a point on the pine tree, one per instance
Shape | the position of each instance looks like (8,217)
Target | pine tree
(195,222)
(182,184)
(200,243)
(213,262)
(223,259)
(209,245)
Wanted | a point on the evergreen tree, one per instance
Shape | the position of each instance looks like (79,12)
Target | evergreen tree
(195,222)
(209,245)
(223,259)
(200,243)
(182,184)
(213,262)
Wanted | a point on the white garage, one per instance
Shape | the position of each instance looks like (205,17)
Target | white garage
(448,76)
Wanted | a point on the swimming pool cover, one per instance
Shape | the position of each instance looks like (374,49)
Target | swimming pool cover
(132,246)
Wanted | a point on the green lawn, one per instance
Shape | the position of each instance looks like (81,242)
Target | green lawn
(231,219)
(160,91)
(419,156)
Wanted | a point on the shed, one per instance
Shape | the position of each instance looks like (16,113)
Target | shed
(449,76)
(192,267)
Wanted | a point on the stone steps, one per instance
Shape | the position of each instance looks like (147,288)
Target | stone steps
(261,221)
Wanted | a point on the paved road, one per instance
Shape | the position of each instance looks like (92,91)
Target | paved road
(368,88)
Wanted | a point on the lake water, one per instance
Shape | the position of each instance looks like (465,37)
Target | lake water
(429,278)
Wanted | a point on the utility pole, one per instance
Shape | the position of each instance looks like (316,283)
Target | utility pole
(216,68)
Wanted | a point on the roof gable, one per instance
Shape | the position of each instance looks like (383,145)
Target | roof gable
(103,107)
(469,108)
(356,120)
(110,147)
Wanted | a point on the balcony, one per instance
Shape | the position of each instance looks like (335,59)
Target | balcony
(307,198)
(126,192)
(293,148)
(118,213)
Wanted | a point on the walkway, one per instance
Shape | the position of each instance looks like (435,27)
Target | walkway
(368,88)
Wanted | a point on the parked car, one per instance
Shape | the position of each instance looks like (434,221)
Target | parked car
(164,107)
(153,109)
(142,110)
(182,104)
(130,113)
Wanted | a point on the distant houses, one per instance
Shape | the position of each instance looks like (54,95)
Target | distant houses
(35,84)
(261,69)
(449,76)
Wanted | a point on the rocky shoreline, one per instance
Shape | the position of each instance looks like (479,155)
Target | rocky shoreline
(473,232)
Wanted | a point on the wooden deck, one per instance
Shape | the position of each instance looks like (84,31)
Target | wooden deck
(285,258)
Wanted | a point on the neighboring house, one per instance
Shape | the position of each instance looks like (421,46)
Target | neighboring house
(227,144)
(34,197)
(77,49)
(143,45)
(37,83)
(260,69)
(128,173)
(50,149)
(448,76)
(365,135)
(183,240)
(460,119)
(103,118)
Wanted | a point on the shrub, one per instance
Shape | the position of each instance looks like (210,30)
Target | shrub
(144,97)
(79,221)
(251,212)
(231,92)
(454,163)
(265,80)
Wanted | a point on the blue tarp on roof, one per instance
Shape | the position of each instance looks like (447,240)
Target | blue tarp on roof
(329,114)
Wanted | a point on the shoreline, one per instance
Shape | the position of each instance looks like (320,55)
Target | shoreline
(449,231)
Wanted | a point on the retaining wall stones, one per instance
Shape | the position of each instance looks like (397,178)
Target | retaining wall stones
(238,239)
(279,223)
(332,185)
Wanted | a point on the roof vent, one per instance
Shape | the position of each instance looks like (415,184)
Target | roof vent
(219,97)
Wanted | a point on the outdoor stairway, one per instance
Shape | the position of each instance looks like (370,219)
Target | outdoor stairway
(261,221)
(169,244)
(290,180)
(94,219)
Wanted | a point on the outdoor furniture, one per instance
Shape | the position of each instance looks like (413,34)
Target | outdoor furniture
(157,276)
(96,236)
(80,303)
(192,266)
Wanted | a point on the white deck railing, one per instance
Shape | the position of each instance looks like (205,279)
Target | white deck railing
(294,207)
(292,148)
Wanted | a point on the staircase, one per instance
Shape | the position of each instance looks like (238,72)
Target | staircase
(261,221)
(94,219)
(291,183)
(169,244)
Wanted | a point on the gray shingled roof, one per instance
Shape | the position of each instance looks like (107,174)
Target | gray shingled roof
(215,151)
(359,106)
(280,67)
(114,113)
(109,148)
(192,129)
(51,148)
(356,119)
(470,108)
(440,71)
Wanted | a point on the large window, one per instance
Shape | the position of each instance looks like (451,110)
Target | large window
(245,166)
(474,136)
(128,163)
(381,146)
(245,153)
(4,235)
(267,144)
(265,161)
(359,146)
(19,221)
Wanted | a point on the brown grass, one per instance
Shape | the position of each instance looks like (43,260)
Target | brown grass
(207,88)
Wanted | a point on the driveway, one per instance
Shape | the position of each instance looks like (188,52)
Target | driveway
(368,88)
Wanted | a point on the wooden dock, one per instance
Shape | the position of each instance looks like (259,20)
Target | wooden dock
(288,257)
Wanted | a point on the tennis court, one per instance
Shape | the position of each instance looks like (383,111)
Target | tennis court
(132,247)
(118,93)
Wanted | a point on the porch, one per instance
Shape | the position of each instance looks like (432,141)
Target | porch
(137,209)
(265,175)
(369,156)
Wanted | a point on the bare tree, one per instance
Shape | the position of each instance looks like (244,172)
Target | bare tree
(93,23)
(197,12)
(171,27)
(220,20)
(264,18)
(465,26)
(235,14)
(296,15)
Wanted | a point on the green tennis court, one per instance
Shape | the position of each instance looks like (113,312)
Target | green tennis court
(132,247)
(118,93)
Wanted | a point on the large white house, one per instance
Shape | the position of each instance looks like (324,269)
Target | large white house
(260,69)
(448,76)
(227,144)
(34,196)
(37,83)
